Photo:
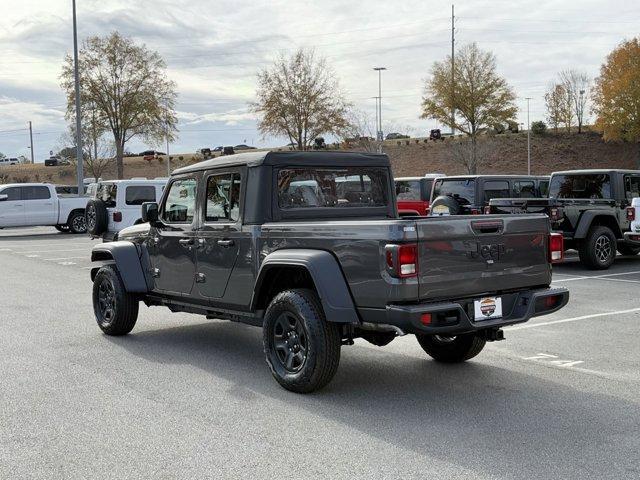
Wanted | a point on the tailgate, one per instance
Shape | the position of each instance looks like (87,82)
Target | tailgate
(462,256)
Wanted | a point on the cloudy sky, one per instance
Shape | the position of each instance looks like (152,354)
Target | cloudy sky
(213,50)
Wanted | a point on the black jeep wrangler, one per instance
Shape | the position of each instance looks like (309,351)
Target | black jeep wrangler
(309,246)
(591,208)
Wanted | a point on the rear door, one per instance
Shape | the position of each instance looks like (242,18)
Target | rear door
(12,209)
(220,237)
(39,206)
(469,256)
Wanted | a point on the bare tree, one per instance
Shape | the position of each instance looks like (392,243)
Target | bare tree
(470,156)
(129,88)
(577,85)
(481,97)
(299,97)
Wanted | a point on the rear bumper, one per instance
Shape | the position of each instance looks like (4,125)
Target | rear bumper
(632,239)
(456,317)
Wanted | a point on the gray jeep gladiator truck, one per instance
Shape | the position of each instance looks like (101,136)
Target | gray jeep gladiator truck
(309,246)
(590,208)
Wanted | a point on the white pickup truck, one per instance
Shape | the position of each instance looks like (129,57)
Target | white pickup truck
(38,204)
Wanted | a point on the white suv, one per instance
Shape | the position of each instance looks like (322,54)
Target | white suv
(116,204)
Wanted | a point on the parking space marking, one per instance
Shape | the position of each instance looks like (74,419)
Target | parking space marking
(64,258)
(66,263)
(553,360)
(596,277)
(50,251)
(574,319)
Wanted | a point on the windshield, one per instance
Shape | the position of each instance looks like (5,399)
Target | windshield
(463,190)
(594,186)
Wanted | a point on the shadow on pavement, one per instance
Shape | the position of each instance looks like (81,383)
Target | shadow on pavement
(478,416)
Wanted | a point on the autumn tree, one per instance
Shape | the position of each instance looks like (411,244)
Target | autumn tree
(559,107)
(481,97)
(616,96)
(576,85)
(299,97)
(128,87)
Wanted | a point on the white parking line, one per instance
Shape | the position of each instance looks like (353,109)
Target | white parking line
(50,251)
(574,319)
(596,277)
(64,258)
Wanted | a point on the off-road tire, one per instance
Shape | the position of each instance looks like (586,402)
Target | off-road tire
(323,341)
(628,250)
(593,249)
(449,202)
(451,349)
(96,217)
(124,312)
(77,223)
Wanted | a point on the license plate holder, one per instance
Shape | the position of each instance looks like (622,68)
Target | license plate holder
(487,308)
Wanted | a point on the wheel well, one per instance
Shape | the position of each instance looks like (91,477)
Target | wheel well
(278,279)
(101,256)
(607,221)
(73,212)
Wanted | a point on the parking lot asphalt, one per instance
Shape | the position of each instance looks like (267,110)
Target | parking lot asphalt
(183,397)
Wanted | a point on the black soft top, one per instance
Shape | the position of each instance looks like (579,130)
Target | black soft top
(255,159)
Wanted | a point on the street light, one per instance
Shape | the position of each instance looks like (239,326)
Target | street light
(379,119)
(528,139)
(79,156)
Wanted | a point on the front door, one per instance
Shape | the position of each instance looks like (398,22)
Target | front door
(39,207)
(12,209)
(219,237)
(172,247)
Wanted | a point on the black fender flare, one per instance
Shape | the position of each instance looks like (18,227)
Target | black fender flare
(126,257)
(326,274)
(586,220)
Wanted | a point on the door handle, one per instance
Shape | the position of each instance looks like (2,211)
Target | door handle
(186,241)
(226,243)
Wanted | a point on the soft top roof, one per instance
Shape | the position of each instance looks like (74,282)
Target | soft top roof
(493,177)
(595,171)
(255,159)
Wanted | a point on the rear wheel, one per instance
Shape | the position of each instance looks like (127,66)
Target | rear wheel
(77,223)
(115,309)
(628,250)
(598,250)
(302,349)
(451,349)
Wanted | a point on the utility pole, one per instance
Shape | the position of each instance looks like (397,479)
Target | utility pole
(166,133)
(528,139)
(31,140)
(79,156)
(453,84)
(380,134)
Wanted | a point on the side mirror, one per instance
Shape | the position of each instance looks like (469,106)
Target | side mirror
(4,197)
(150,212)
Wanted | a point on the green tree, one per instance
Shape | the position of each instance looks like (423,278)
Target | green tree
(299,97)
(481,97)
(616,96)
(128,88)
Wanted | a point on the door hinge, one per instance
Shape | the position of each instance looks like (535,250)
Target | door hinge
(201,278)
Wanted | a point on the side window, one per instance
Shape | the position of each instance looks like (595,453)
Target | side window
(180,204)
(543,188)
(223,198)
(496,189)
(35,193)
(524,189)
(138,194)
(14,193)
(632,186)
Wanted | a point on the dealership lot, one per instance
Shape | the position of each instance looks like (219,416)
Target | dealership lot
(182,396)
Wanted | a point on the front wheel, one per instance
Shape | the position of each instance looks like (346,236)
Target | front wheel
(302,349)
(598,250)
(115,309)
(451,349)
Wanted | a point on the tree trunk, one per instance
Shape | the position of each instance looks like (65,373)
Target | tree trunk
(119,160)
(473,168)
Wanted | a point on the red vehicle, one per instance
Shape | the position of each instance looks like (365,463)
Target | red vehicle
(413,194)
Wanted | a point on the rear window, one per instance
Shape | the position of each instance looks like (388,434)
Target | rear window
(462,190)
(580,186)
(138,194)
(107,193)
(543,187)
(408,190)
(524,189)
(348,187)
(496,189)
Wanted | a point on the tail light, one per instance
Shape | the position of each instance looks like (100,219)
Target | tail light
(556,248)
(487,210)
(117,216)
(402,260)
(631,214)
(475,211)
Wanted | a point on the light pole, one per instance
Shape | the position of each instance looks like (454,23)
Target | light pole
(31,141)
(379,133)
(528,139)
(79,156)
(580,111)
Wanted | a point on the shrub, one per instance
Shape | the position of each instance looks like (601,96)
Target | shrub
(538,128)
